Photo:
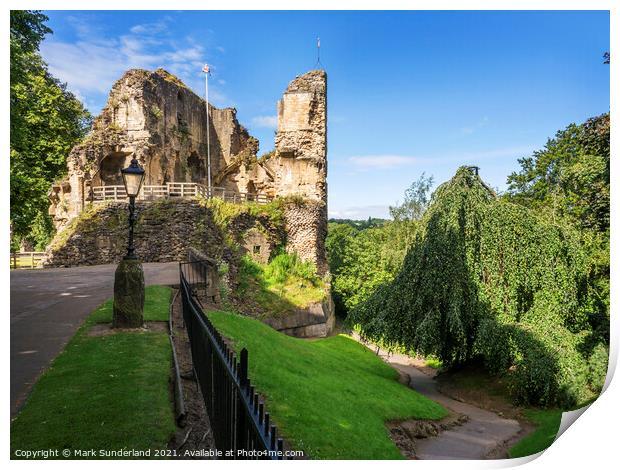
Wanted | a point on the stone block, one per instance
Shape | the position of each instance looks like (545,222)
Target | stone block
(128,295)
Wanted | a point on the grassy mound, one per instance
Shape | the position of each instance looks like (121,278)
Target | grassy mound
(104,392)
(281,286)
(330,397)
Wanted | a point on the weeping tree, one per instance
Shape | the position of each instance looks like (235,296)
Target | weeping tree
(488,278)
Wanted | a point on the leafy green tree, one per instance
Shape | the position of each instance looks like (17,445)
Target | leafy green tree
(369,259)
(366,254)
(46,121)
(486,277)
(570,176)
(361,224)
(417,197)
(570,179)
(339,238)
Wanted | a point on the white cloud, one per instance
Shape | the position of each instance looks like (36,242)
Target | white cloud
(382,161)
(94,62)
(82,28)
(389,162)
(150,28)
(360,212)
(269,122)
(468,130)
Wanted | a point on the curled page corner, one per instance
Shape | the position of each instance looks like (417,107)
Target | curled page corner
(568,418)
(516,462)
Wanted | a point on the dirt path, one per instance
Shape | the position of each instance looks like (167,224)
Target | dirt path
(194,436)
(484,435)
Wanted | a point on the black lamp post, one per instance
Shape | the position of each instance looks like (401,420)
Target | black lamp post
(133,176)
(129,276)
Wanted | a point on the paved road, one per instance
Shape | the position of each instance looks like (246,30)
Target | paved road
(48,306)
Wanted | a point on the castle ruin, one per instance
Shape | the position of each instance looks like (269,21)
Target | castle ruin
(156,118)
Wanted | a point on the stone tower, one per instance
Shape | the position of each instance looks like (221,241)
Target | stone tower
(299,164)
(301,141)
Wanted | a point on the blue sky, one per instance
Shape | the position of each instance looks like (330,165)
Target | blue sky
(408,92)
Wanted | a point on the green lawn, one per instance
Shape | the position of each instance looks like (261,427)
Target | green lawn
(330,397)
(547,424)
(105,392)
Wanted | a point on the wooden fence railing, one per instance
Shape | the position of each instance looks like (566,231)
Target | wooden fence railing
(175,190)
(26,259)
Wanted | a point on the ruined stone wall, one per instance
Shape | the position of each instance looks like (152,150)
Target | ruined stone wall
(300,160)
(299,164)
(155,117)
(166,229)
(163,232)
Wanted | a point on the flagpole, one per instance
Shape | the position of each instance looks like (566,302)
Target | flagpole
(208,140)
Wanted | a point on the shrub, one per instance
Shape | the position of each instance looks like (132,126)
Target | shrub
(280,286)
(362,261)
(548,369)
(285,265)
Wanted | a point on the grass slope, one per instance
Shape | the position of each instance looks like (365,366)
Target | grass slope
(106,392)
(281,286)
(547,425)
(330,397)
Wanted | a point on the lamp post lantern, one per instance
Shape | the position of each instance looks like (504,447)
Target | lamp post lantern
(133,176)
(129,276)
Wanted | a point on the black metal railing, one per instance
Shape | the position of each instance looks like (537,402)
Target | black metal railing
(198,273)
(238,418)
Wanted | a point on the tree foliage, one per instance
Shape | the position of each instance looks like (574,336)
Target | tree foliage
(46,121)
(486,277)
(570,180)
(570,176)
(363,255)
(416,200)
(360,261)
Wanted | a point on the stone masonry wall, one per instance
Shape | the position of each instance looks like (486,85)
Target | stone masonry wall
(156,118)
(306,231)
(300,159)
(164,232)
(166,229)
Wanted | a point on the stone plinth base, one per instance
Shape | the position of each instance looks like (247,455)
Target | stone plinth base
(128,295)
